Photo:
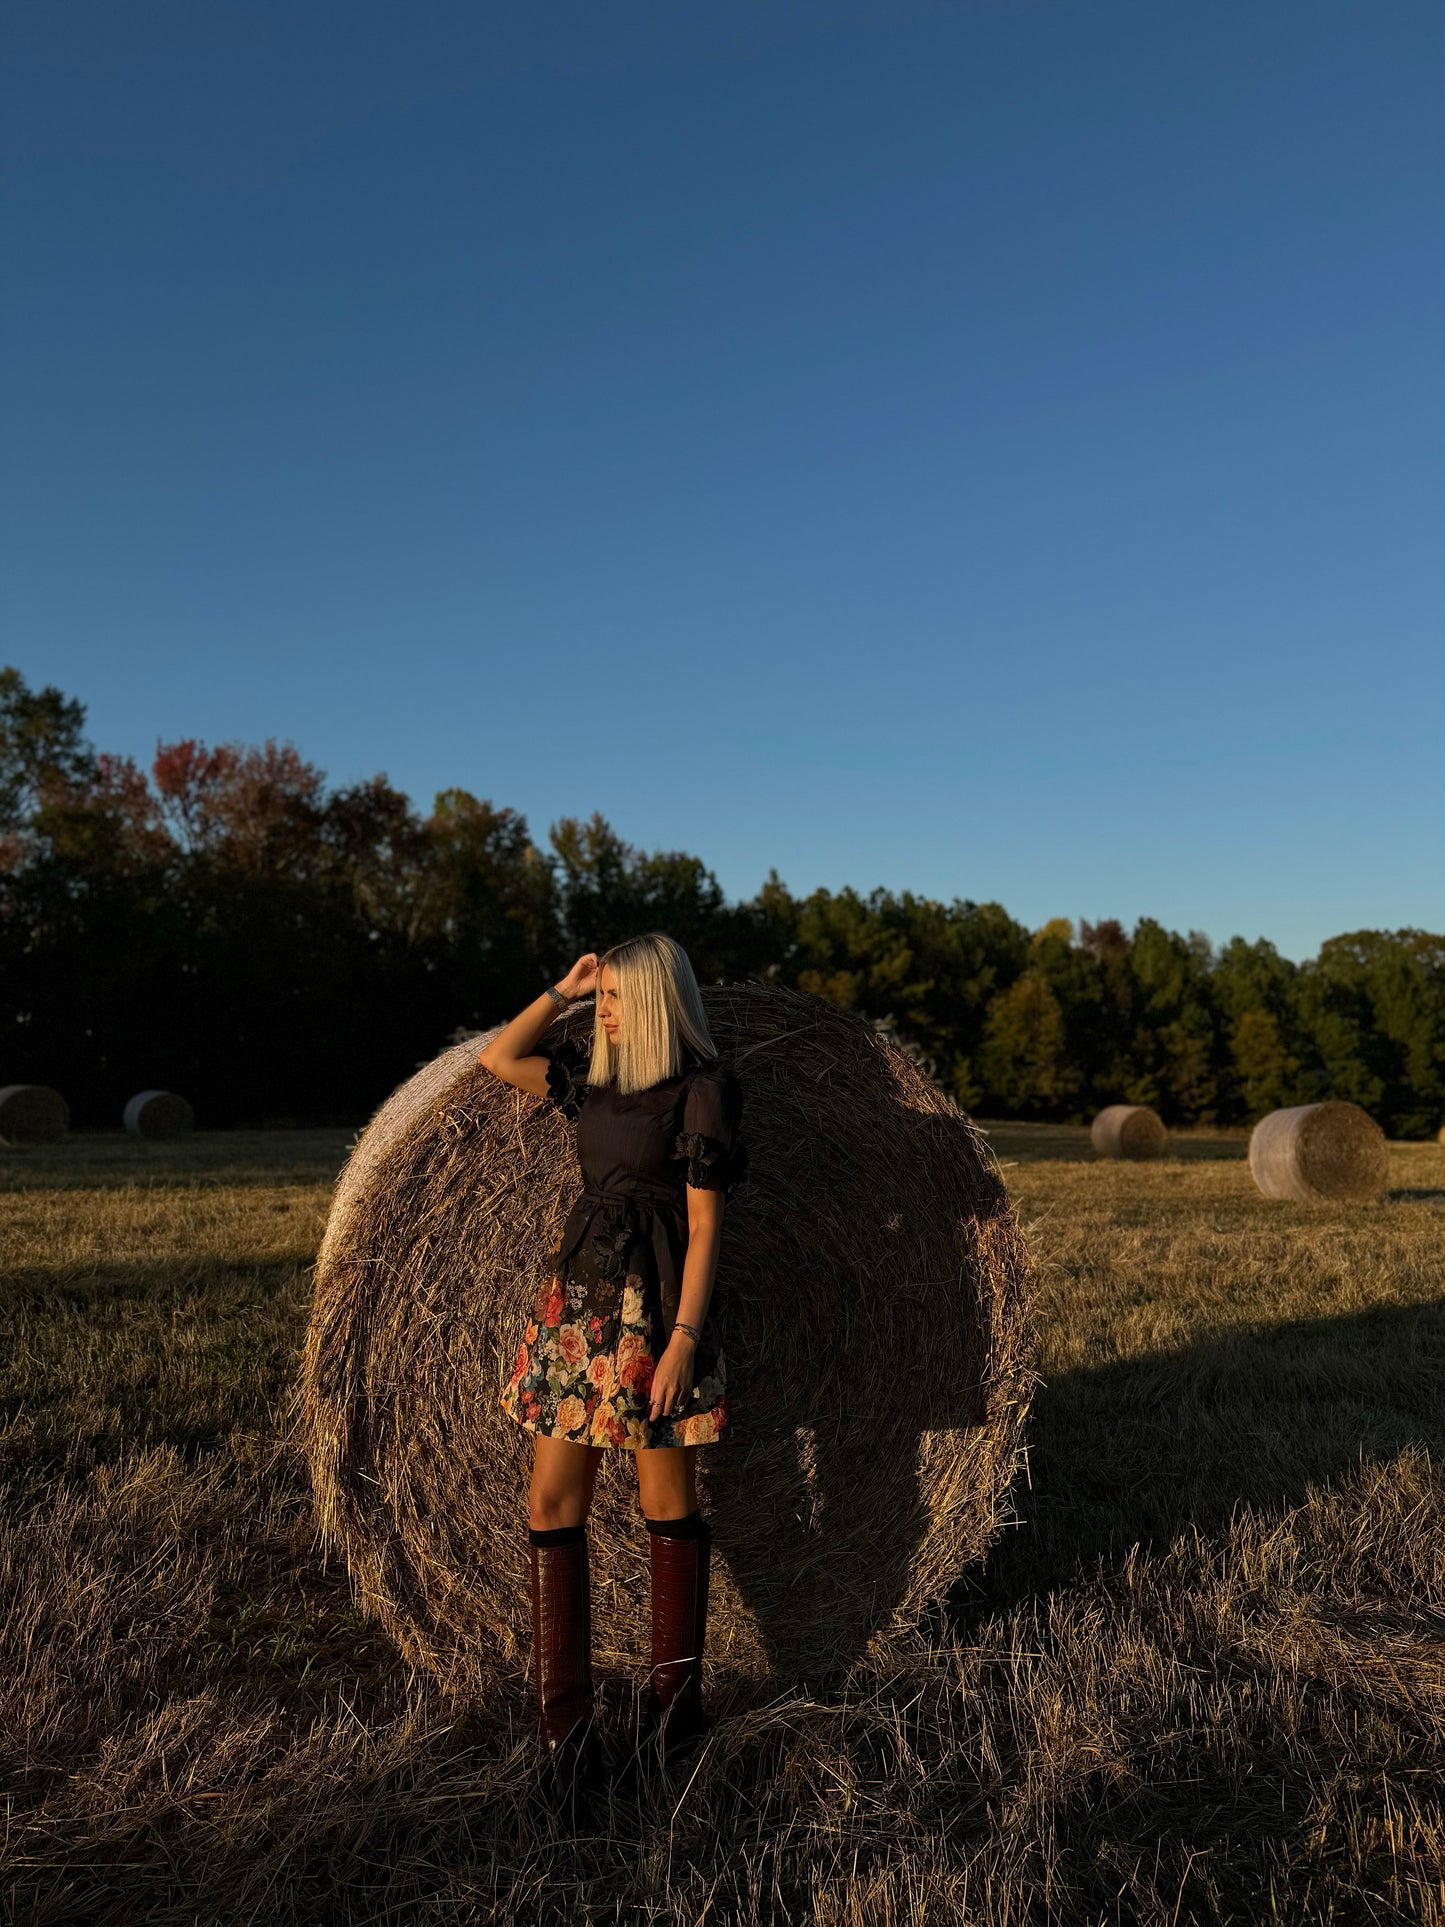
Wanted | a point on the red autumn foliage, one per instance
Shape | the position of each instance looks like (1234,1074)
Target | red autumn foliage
(262,806)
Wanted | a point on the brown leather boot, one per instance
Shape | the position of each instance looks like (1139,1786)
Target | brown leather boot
(562,1666)
(681,1554)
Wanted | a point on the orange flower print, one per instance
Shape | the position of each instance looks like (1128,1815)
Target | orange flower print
(571,1344)
(571,1413)
(634,1366)
(636,1374)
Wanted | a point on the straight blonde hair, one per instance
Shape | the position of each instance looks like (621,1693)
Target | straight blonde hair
(662,1011)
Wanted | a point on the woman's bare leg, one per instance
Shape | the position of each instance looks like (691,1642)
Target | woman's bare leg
(563,1475)
(667,1481)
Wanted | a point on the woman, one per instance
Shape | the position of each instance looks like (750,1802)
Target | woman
(622,1351)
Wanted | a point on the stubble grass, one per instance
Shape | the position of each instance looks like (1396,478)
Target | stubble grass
(1202,1678)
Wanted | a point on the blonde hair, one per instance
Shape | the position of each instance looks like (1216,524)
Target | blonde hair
(662,1012)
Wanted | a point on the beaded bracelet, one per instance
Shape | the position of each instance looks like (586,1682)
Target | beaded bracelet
(678,1326)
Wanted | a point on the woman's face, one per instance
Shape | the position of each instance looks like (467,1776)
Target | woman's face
(609,1006)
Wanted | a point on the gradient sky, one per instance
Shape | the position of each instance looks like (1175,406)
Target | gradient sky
(992,450)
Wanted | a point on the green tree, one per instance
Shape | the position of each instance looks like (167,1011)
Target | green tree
(42,747)
(1268,1074)
(611,891)
(1022,1063)
(1373,1004)
(1176,1048)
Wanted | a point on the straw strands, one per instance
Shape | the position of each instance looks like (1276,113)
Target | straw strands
(1128,1131)
(1315,1153)
(872,1297)
(158,1114)
(32,1114)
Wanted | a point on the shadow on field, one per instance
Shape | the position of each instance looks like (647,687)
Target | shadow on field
(246,1160)
(1137,1451)
(1026,1143)
(156,1282)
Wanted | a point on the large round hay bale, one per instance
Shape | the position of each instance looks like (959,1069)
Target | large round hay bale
(158,1114)
(32,1114)
(871,1294)
(1319,1153)
(1128,1131)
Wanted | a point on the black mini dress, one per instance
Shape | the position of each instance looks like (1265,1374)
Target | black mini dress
(605,1309)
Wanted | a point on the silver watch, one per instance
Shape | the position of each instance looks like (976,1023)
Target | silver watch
(557,997)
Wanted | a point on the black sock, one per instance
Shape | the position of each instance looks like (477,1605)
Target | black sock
(691,1526)
(555,1535)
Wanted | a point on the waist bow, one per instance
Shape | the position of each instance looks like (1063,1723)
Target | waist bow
(612,1225)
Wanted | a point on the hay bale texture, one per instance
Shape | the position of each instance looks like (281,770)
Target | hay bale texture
(32,1114)
(158,1114)
(1128,1131)
(872,1296)
(1320,1154)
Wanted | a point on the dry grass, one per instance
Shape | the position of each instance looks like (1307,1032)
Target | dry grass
(1204,1679)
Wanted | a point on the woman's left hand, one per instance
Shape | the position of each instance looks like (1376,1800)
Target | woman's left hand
(672,1380)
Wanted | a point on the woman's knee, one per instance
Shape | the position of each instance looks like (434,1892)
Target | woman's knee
(561,1487)
(665,1482)
(546,1511)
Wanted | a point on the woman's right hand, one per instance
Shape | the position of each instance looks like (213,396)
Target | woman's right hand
(582,977)
(513,1054)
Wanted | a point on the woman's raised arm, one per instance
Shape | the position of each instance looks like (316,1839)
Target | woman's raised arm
(512,1054)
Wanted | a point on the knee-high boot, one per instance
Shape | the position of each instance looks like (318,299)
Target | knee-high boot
(681,1552)
(562,1664)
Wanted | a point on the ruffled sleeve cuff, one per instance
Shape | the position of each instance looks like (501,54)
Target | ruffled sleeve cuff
(710,1143)
(711,1165)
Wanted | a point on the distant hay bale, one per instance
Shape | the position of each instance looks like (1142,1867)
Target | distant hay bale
(1128,1131)
(872,1299)
(1440,1134)
(158,1114)
(1319,1153)
(32,1114)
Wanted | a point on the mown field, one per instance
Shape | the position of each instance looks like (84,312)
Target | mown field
(1201,1679)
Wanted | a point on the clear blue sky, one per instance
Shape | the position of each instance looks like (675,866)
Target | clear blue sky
(993,450)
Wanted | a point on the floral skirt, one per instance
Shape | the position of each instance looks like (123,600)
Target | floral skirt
(584,1369)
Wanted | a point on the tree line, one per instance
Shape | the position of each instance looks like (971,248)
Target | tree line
(227,925)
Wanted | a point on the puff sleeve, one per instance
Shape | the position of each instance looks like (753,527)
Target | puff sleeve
(710,1143)
(567,1062)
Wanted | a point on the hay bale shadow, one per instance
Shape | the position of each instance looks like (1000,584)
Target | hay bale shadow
(1140,1450)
